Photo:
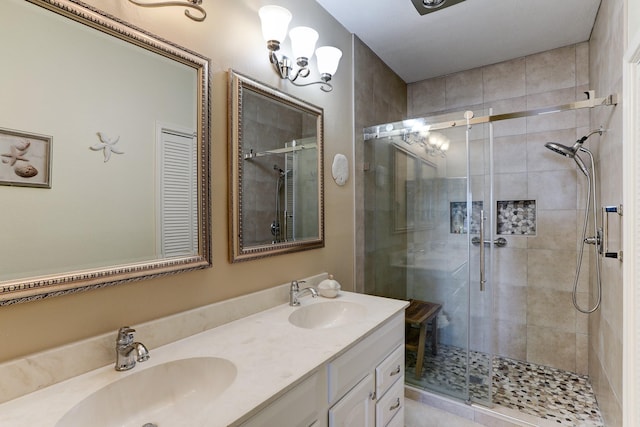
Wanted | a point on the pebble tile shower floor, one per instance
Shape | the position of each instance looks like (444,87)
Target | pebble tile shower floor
(562,397)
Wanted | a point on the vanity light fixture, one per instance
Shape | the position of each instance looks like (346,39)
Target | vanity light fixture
(189,4)
(275,22)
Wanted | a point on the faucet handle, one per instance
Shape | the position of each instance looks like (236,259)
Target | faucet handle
(125,335)
(295,285)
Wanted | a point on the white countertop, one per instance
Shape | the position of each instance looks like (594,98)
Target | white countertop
(270,355)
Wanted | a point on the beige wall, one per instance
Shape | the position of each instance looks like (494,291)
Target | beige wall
(534,316)
(607,47)
(231,37)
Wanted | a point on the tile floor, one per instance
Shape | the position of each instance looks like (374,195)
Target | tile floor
(563,398)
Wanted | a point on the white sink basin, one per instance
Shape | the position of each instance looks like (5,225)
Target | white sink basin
(168,394)
(327,314)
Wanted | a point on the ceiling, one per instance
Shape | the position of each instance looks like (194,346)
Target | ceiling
(463,36)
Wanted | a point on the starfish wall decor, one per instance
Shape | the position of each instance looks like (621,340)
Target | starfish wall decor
(107,145)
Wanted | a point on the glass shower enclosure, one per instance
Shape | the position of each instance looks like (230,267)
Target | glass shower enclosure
(429,215)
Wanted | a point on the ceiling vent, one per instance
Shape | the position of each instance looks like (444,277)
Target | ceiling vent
(427,6)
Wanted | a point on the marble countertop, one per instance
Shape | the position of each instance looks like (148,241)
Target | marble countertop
(270,355)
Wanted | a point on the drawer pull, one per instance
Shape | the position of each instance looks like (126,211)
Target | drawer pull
(372,395)
(396,405)
(396,372)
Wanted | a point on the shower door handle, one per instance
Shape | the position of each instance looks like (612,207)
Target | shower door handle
(483,279)
(499,242)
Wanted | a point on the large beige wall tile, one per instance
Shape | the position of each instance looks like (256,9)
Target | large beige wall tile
(510,186)
(553,189)
(550,347)
(551,70)
(551,269)
(510,154)
(510,303)
(540,158)
(510,267)
(551,309)
(426,97)
(582,354)
(582,64)
(504,80)
(555,230)
(510,339)
(464,89)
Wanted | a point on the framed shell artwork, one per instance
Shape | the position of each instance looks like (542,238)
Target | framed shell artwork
(25,159)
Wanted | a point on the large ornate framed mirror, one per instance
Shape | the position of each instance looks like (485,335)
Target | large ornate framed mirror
(126,116)
(276,181)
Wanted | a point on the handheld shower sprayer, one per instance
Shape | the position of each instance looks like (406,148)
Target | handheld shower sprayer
(572,152)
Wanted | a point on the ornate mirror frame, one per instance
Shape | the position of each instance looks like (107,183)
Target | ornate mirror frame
(238,250)
(35,288)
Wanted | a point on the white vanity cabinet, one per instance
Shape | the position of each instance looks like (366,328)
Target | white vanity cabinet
(302,406)
(366,383)
(357,407)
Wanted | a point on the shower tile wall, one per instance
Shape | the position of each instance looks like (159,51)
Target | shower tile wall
(380,97)
(605,343)
(534,317)
(271,127)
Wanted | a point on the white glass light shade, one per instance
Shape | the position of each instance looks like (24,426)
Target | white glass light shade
(328,59)
(303,41)
(275,21)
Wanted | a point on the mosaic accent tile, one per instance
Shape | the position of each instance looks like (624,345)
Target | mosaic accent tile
(562,397)
(458,217)
(516,217)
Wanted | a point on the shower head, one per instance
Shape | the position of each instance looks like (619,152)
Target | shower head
(572,151)
(282,172)
(561,149)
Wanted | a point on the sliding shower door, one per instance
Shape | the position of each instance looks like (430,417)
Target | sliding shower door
(426,194)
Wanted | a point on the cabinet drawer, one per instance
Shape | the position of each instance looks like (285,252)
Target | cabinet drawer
(349,368)
(390,404)
(389,371)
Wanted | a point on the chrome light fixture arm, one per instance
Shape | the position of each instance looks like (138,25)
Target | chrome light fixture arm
(189,4)
(275,22)
(284,68)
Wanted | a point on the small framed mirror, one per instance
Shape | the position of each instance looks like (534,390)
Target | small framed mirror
(276,183)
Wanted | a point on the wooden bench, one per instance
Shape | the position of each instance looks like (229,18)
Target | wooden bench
(421,313)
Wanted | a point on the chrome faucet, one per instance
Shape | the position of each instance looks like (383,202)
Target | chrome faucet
(127,351)
(295,292)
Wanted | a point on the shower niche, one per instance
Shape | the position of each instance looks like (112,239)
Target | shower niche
(516,217)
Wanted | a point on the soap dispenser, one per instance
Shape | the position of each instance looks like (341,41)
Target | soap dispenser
(329,288)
